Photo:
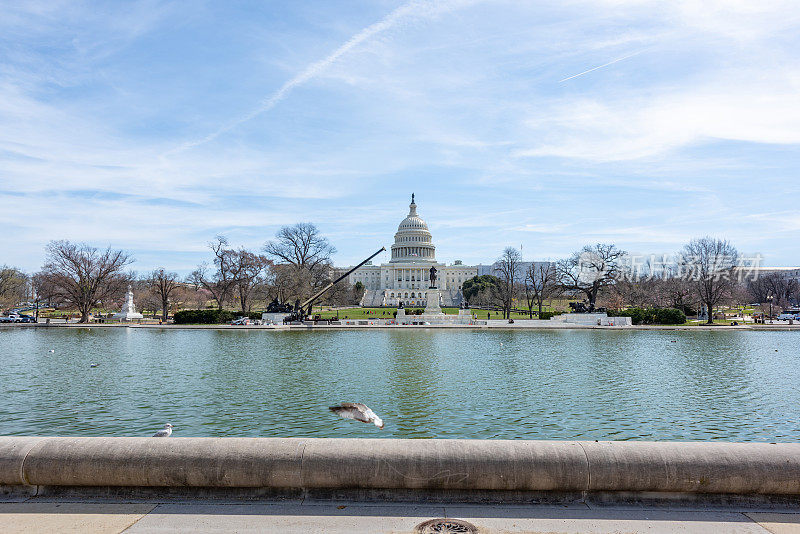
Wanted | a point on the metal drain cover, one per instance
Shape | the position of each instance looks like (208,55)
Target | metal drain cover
(446,526)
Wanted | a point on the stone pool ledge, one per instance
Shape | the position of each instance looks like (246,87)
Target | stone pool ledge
(401,469)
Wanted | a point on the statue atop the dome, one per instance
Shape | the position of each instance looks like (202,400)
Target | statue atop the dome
(412,198)
(433,277)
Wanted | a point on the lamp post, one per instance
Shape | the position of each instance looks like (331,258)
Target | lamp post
(769,299)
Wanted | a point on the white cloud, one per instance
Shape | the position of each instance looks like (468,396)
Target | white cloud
(416,9)
(637,127)
(464,94)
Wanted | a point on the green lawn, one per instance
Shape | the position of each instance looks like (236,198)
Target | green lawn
(364,313)
(720,322)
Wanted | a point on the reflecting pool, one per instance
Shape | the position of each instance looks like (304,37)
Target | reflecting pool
(425,383)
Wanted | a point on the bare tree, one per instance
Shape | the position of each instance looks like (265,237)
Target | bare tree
(341,294)
(675,292)
(307,252)
(41,290)
(654,284)
(758,289)
(281,281)
(631,289)
(794,297)
(145,296)
(198,297)
(508,271)
(81,276)
(590,270)
(668,288)
(249,270)
(237,273)
(164,285)
(709,265)
(12,286)
(541,283)
(222,280)
(740,296)
(781,288)
(301,245)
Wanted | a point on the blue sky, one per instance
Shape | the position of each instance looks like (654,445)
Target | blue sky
(153,126)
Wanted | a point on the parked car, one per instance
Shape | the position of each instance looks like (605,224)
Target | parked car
(786,316)
(27,318)
(10,318)
(241,321)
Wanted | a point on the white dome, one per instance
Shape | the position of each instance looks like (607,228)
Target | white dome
(413,242)
(412,221)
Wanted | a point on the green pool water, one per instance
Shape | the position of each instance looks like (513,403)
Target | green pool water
(554,384)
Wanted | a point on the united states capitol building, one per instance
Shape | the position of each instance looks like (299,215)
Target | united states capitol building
(407,275)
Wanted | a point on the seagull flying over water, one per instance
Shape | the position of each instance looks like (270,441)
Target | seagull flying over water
(164,432)
(357,411)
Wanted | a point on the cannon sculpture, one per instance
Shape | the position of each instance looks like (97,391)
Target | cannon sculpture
(277,306)
(584,307)
(302,310)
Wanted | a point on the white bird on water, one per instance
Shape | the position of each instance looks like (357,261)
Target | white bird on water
(357,411)
(164,432)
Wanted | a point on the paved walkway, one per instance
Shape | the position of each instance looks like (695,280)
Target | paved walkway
(292,517)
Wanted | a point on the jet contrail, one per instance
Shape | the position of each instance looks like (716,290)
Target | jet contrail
(600,67)
(415,7)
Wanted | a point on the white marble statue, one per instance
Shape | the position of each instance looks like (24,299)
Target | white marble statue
(128,310)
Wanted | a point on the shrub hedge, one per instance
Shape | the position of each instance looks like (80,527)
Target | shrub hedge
(651,315)
(546,315)
(211,316)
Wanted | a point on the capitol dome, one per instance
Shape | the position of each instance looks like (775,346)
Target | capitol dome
(413,242)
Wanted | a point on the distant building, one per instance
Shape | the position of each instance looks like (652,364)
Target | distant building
(522,268)
(407,275)
(752,273)
(789,273)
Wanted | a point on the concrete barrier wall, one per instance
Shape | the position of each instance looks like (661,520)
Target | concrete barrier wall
(466,465)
